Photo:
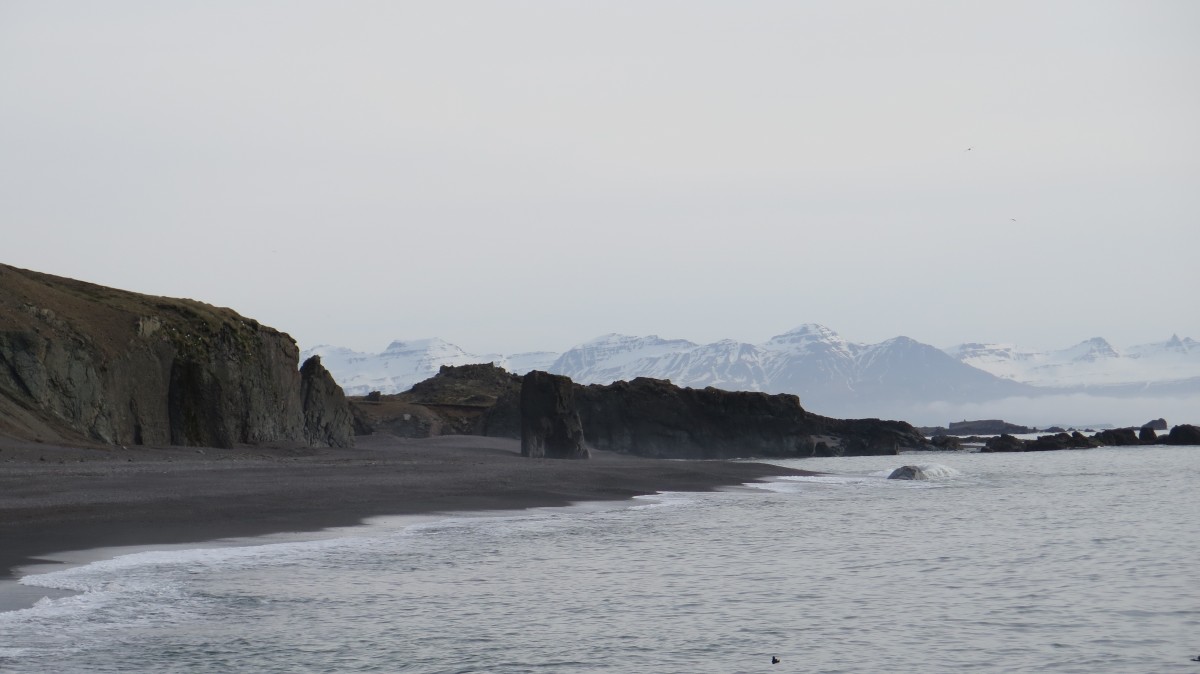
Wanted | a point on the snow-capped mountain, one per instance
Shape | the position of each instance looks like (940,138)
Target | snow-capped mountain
(897,378)
(831,375)
(1093,362)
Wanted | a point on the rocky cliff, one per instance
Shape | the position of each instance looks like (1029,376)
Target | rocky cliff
(648,417)
(477,399)
(327,418)
(653,417)
(550,425)
(85,363)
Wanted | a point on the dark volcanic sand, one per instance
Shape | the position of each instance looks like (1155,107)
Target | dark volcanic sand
(55,499)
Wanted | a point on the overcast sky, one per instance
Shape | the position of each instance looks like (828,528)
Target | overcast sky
(517,176)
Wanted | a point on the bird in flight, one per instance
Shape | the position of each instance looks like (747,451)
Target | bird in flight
(968,149)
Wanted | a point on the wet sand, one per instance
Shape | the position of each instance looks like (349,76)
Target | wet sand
(55,499)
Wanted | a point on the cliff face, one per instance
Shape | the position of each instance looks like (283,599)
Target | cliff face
(550,425)
(85,363)
(327,418)
(459,400)
(652,417)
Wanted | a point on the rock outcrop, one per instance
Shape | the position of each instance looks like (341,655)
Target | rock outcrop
(327,419)
(652,417)
(1183,434)
(1064,440)
(1159,424)
(1003,443)
(1117,437)
(550,425)
(479,399)
(82,363)
(908,473)
(946,442)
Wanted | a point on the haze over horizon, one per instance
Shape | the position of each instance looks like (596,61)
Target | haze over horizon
(527,176)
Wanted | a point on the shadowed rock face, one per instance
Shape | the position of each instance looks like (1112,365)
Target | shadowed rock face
(550,425)
(652,417)
(647,417)
(327,419)
(85,363)
(1183,434)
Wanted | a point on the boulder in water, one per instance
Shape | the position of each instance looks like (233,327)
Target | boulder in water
(908,473)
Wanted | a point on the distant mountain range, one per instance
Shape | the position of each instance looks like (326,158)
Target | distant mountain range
(832,376)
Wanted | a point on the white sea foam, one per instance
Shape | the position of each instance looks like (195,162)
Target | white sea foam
(126,571)
(937,471)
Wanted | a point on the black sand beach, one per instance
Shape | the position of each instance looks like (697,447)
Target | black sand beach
(55,499)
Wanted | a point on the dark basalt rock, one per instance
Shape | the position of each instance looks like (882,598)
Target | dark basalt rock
(1157,425)
(1117,437)
(1003,443)
(1147,436)
(82,363)
(1046,443)
(477,399)
(550,425)
(946,442)
(327,419)
(1183,434)
(653,417)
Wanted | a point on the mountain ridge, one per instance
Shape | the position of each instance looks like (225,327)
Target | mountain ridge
(830,373)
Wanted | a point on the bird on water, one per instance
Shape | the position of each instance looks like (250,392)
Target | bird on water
(774,660)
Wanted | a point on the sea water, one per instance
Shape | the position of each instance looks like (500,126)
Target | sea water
(1069,561)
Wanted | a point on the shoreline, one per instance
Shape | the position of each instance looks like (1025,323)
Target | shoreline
(60,499)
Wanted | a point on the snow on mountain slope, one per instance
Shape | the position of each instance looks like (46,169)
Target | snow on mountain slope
(829,374)
(809,358)
(611,357)
(1093,362)
(897,378)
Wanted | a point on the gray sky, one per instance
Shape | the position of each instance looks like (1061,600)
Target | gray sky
(515,176)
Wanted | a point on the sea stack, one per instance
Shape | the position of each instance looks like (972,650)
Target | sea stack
(550,425)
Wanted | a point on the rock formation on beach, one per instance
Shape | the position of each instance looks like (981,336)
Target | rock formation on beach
(82,363)
(550,425)
(653,417)
(647,417)
(459,400)
(327,419)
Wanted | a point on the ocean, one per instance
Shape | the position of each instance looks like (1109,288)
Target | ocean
(1069,561)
